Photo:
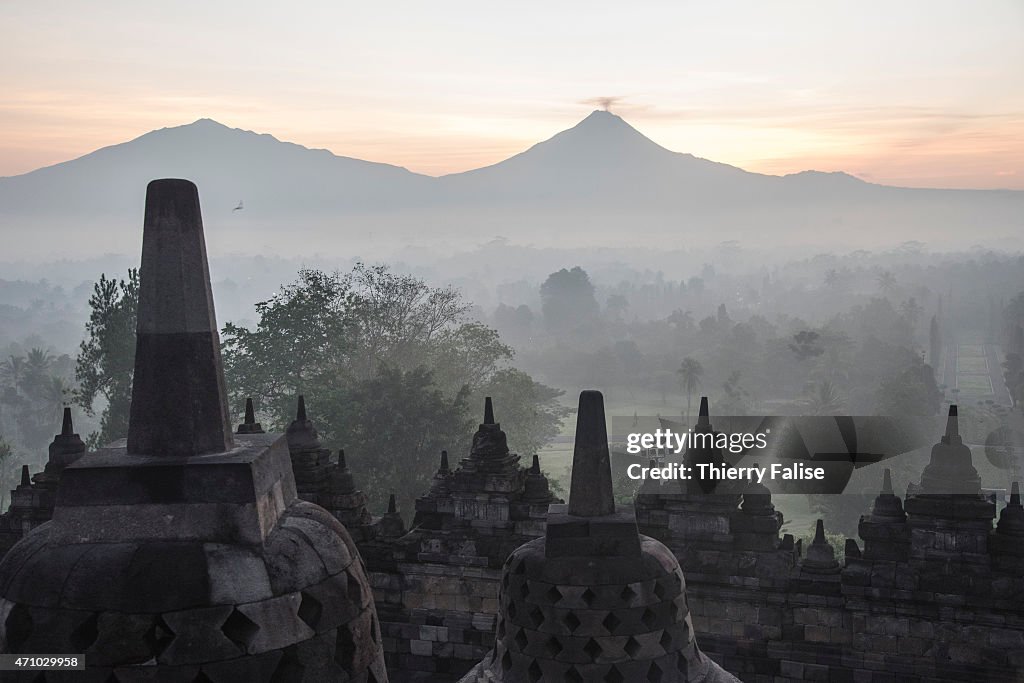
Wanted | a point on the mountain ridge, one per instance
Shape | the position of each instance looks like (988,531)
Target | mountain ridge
(585,182)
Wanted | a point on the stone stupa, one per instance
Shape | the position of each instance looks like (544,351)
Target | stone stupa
(594,600)
(183,553)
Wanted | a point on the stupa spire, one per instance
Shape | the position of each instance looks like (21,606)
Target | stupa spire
(590,493)
(67,428)
(179,405)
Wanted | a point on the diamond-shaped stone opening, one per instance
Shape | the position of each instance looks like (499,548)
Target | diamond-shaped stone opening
(659,590)
(86,633)
(524,590)
(553,648)
(534,672)
(18,627)
(632,647)
(240,629)
(310,610)
(588,597)
(655,674)
(521,640)
(614,675)
(554,595)
(665,641)
(627,595)
(611,622)
(681,663)
(573,676)
(593,649)
(158,636)
(289,667)
(506,661)
(649,618)
(536,617)
(512,610)
(572,621)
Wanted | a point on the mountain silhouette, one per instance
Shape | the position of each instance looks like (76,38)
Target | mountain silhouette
(601,181)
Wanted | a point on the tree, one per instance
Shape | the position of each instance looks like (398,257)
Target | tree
(388,366)
(326,329)
(106,358)
(6,465)
(568,302)
(806,345)
(910,392)
(737,399)
(690,372)
(529,412)
(824,400)
(393,427)
(886,282)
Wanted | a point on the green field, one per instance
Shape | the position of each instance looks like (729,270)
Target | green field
(972,365)
(974,384)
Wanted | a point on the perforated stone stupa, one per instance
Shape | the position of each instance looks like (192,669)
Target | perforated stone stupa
(593,600)
(184,554)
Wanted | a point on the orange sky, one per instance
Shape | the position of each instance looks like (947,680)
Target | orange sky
(912,93)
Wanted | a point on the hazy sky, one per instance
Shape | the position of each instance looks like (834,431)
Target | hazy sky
(920,93)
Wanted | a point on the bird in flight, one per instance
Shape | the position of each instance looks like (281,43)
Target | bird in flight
(239,207)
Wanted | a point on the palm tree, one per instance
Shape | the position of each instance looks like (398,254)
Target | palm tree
(13,371)
(824,399)
(887,282)
(690,372)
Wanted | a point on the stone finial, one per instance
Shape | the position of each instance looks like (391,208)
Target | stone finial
(887,506)
(391,524)
(1011,519)
(249,424)
(342,481)
(852,550)
(65,448)
(179,405)
(301,433)
(950,470)
(757,498)
(952,435)
(536,488)
(590,492)
(66,428)
(26,478)
(704,415)
(821,558)
(444,468)
(489,442)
